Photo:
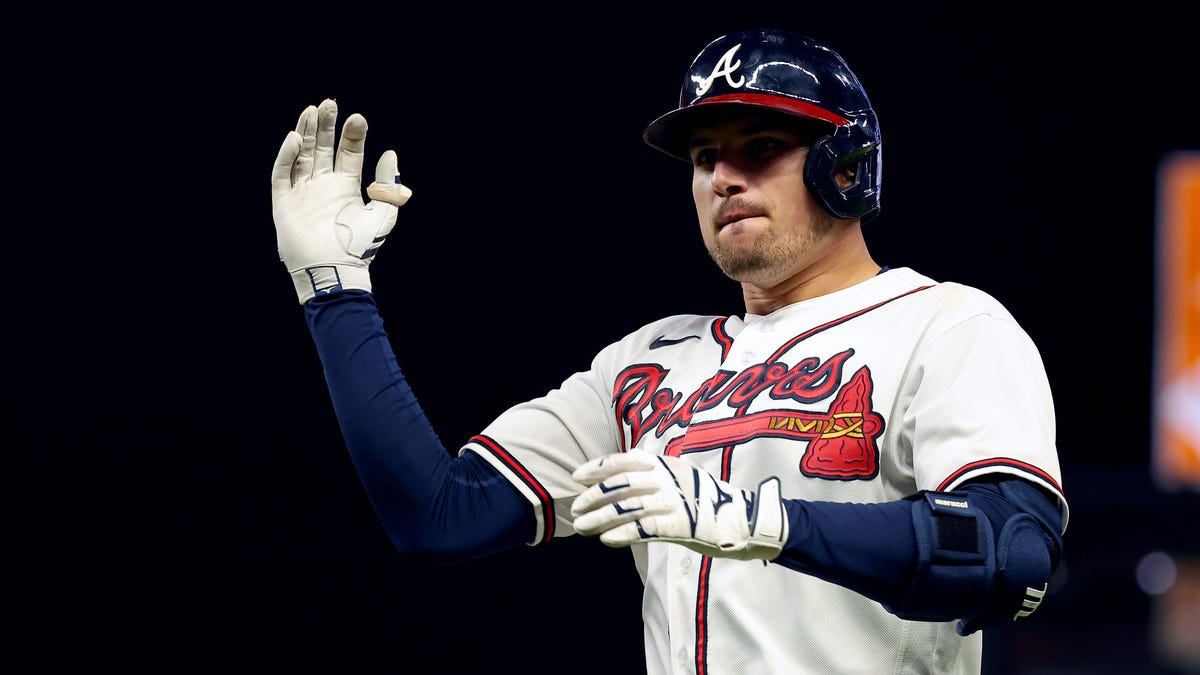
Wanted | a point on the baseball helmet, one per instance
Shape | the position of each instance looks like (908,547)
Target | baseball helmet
(797,75)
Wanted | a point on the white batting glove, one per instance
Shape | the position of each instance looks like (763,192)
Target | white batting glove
(326,235)
(636,497)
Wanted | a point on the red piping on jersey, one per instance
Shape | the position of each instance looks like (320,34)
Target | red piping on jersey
(542,493)
(704,582)
(701,655)
(999,461)
(813,331)
(727,462)
(722,338)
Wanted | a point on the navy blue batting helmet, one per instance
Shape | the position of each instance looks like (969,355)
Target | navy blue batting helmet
(793,74)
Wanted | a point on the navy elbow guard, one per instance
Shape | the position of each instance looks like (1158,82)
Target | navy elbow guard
(964,571)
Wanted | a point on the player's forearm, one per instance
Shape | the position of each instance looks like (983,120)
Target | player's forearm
(890,552)
(869,548)
(434,507)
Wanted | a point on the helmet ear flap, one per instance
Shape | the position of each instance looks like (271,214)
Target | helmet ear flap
(835,152)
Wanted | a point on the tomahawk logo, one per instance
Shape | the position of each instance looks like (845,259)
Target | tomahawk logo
(1033,599)
(726,67)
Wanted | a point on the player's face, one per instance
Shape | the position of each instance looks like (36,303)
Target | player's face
(760,223)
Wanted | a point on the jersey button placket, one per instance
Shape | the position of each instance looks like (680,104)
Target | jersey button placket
(746,342)
(683,659)
(681,609)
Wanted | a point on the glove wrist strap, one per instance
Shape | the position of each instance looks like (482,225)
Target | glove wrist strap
(325,279)
(768,520)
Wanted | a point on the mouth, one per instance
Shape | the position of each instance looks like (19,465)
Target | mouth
(732,211)
(725,219)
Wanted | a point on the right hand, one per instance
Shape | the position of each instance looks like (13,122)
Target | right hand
(326,235)
(635,497)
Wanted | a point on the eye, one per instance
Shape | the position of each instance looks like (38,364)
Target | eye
(764,146)
(703,156)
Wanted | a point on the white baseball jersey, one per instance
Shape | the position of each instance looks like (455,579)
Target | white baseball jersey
(868,394)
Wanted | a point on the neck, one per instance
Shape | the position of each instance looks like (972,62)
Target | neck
(843,264)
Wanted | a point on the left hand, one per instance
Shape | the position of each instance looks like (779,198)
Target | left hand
(636,497)
(326,235)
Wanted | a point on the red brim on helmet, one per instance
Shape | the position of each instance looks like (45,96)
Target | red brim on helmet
(671,133)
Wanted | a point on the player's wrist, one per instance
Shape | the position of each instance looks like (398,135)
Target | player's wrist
(317,280)
(768,522)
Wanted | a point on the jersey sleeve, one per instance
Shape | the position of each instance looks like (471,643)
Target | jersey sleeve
(537,444)
(981,405)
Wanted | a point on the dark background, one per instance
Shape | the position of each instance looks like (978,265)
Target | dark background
(182,499)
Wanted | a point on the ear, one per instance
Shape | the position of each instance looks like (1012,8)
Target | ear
(846,175)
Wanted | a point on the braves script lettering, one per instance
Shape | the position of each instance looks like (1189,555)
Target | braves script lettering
(841,440)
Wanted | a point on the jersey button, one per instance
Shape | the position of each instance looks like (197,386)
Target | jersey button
(685,565)
(682,658)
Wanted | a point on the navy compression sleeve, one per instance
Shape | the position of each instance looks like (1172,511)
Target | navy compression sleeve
(436,508)
(872,549)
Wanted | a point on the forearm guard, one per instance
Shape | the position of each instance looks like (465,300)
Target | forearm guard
(961,559)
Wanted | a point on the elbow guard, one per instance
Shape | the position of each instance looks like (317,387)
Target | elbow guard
(967,570)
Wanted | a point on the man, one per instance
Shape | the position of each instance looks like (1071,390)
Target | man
(857,475)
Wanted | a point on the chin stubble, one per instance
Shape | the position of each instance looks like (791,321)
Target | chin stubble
(772,253)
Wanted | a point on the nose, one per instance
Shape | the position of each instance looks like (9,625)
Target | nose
(727,179)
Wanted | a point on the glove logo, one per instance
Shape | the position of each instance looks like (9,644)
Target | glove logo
(723,498)
(324,279)
(725,67)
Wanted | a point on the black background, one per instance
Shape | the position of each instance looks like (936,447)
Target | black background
(182,498)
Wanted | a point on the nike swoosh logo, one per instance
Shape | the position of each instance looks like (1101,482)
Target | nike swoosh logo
(662,341)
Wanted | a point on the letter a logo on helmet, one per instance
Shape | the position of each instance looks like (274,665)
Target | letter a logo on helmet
(725,67)
(793,74)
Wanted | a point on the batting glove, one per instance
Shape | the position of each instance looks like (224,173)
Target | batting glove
(325,234)
(635,497)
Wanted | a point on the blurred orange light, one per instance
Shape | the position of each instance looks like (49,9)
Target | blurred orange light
(1176,453)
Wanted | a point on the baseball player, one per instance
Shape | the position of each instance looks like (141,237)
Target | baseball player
(857,475)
